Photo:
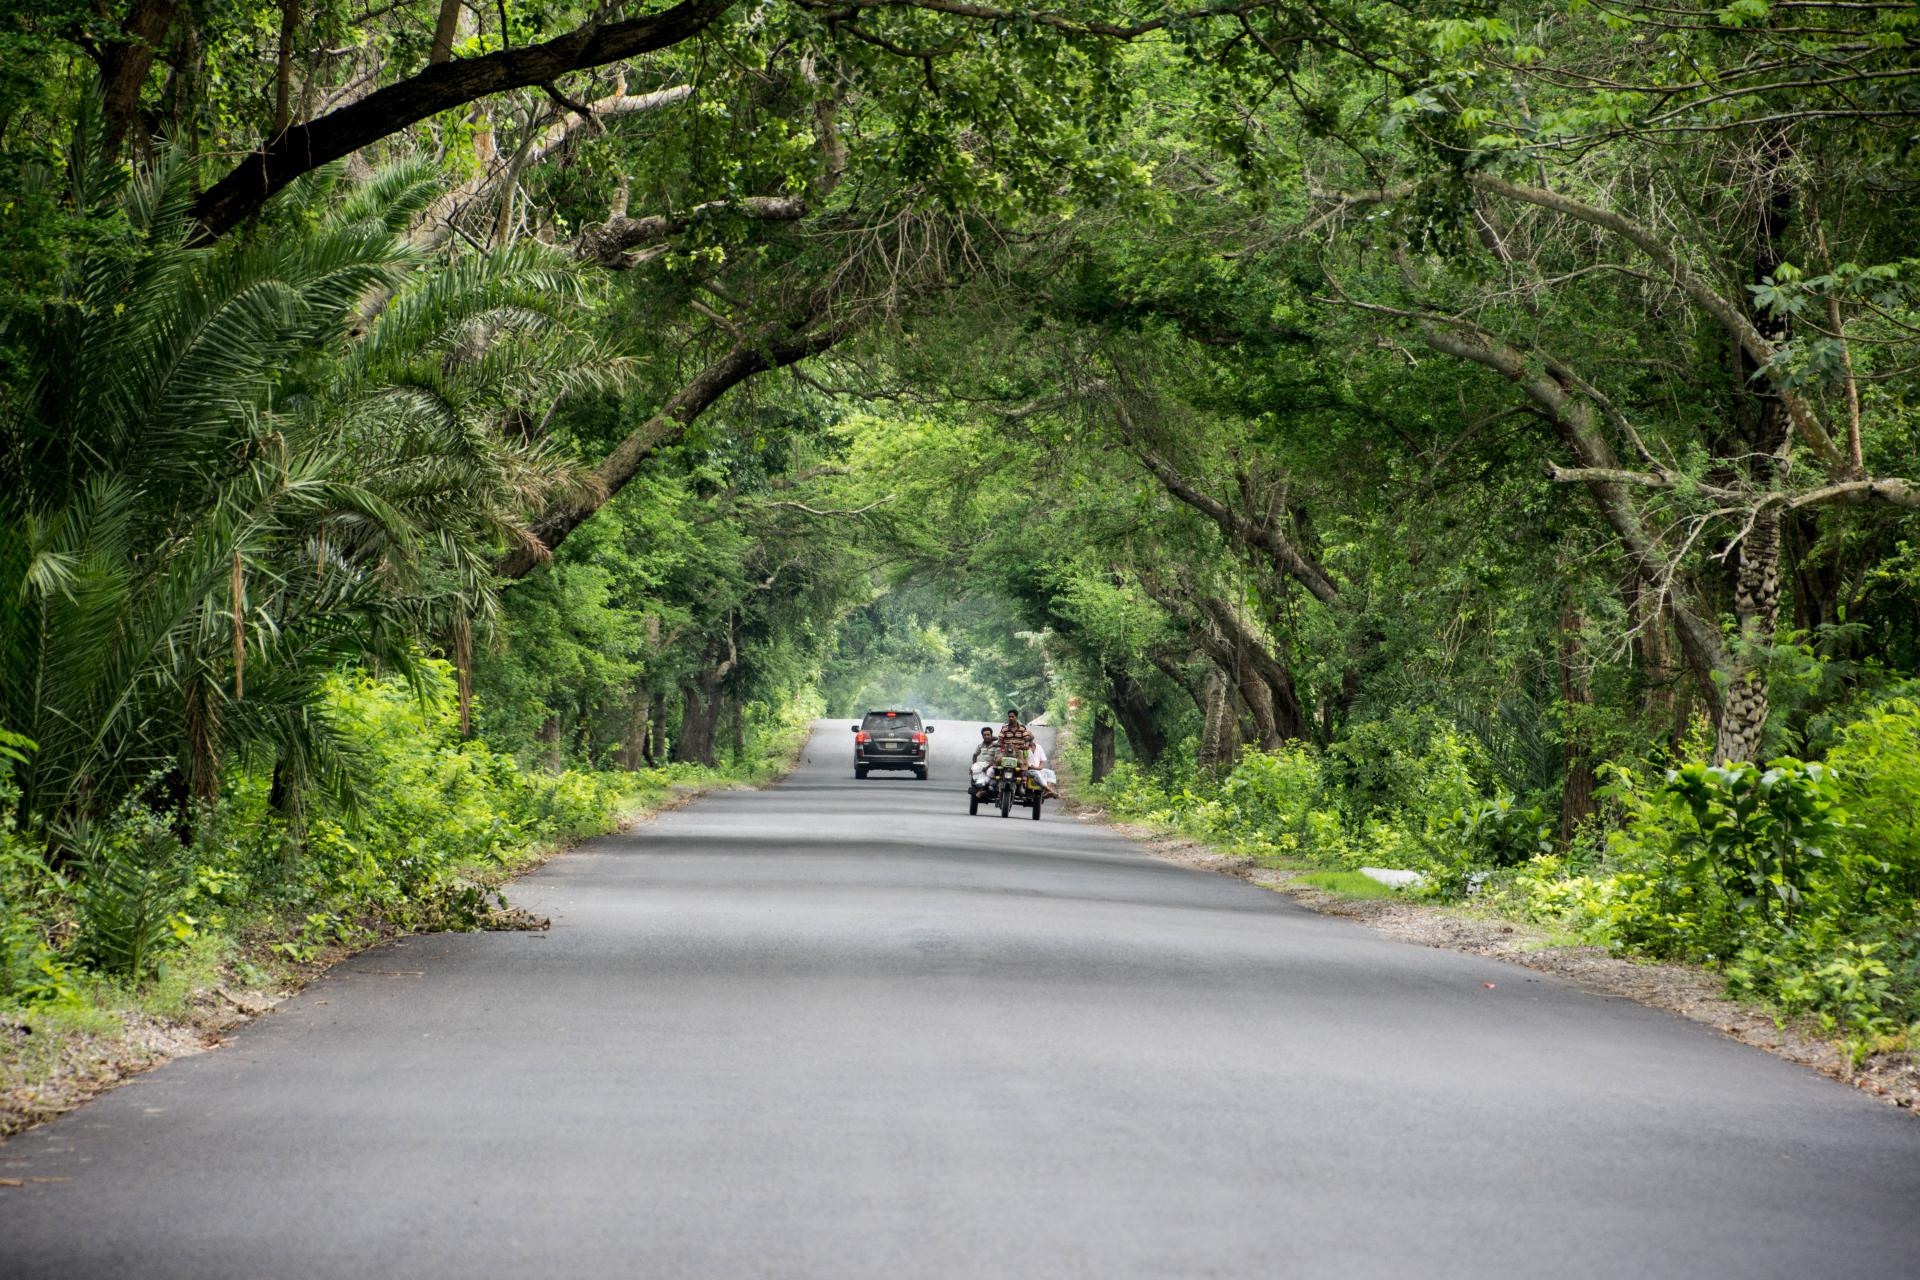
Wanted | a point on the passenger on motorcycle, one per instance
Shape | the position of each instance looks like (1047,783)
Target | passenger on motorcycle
(983,757)
(1037,767)
(986,749)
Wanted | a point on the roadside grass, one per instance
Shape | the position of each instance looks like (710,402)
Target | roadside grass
(1347,884)
(1553,940)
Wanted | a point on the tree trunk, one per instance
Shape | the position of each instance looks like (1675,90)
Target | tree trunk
(463,671)
(1220,736)
(699,718)
(1576,792)
(1103,745)
(634,742)
(1254,694)
(1756,602)
(1263,677)
(1134,710)
(283,67)
(443,32)
(124,64)
(1653,656)
(1742,720)
(656,748)
(200,756)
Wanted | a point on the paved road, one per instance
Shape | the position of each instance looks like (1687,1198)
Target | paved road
(841,1030)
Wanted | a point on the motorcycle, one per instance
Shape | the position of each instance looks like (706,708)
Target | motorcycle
(1005,782)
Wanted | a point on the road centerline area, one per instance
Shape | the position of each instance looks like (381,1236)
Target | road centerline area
(839,1028)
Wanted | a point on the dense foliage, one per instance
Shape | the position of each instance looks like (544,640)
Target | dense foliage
(1469,437)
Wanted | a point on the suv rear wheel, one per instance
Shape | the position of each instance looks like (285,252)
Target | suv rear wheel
(859,771)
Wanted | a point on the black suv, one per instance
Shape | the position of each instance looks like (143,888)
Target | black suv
(890,740)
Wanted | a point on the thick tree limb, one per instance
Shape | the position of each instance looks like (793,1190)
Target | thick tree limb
(1891,490)
(789,505)
(436,223)
(445,84)
(776,349)
(441,85)
(1700,640)
(1725,311)
(1071,26)
(1614,475)
(1897,492)
(1263,535)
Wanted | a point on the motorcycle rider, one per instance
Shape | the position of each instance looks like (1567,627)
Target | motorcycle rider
(1014,739)
(983,757)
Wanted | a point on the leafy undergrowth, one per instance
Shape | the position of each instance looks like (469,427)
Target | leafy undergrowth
(156,948)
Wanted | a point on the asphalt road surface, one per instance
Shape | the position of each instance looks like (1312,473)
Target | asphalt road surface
(840,1029)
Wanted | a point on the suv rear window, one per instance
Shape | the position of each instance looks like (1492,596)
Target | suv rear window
(877,720)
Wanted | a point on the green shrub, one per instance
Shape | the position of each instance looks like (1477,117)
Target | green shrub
(31,972)
(1405,767)
(1877,763)
(1498,833)
(133,886)
(434,806)
(1713,858)
(1278,801)
(1770,873)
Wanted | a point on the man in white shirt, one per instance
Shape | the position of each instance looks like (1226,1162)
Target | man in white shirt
(1037,764)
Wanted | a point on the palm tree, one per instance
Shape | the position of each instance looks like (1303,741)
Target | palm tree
(244,467)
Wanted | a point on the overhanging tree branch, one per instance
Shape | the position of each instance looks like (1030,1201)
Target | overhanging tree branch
(774,348)
(1727,313)
(1263,535)
(438,87)
(436,223)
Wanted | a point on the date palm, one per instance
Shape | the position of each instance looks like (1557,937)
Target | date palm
(243,467)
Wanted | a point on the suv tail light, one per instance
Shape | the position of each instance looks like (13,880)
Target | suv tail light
(860,737)
(920,738)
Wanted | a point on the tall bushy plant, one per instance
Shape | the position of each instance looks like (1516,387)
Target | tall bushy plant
(1279,800)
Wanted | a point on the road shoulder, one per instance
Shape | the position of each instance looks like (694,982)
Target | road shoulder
(1691,991)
